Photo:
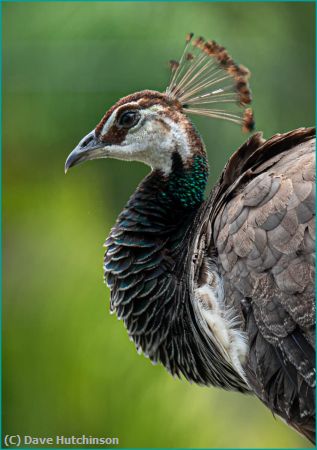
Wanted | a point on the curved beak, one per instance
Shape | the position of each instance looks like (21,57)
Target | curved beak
(90,147)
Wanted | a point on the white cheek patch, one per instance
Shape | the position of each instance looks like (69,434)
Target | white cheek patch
(160,144)
(158,138)
(180,138)
(148,145)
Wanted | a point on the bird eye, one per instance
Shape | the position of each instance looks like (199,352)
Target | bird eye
(128,119)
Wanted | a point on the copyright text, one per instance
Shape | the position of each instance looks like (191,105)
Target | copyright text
(18,440)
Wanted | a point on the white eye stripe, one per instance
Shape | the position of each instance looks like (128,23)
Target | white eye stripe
(109,123)
(114,115)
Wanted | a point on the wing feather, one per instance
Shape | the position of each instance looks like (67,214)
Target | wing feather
(262,214)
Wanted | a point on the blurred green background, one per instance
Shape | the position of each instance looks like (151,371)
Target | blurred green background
(68,366)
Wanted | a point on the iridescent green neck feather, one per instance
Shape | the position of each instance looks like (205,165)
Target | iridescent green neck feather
(186,184)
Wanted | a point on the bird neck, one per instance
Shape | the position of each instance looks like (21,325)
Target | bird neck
(147,270)
(185,185)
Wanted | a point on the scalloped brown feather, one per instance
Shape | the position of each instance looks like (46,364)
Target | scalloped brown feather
(262,217)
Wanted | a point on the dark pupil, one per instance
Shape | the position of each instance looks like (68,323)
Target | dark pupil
(128,119)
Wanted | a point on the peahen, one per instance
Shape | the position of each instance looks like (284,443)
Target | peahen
(221,290)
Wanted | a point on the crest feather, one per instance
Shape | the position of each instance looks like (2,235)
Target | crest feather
(205,77)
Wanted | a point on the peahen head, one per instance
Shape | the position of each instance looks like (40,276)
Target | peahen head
(154,128)
(146,126)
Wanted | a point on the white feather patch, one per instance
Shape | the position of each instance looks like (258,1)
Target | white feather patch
(221,322)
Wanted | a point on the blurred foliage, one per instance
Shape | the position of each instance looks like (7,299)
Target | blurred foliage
(69,367)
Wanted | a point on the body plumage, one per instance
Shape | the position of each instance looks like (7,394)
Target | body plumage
(221,290)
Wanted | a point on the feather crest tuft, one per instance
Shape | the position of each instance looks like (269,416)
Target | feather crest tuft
(207,76)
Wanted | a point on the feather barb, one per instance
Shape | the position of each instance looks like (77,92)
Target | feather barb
(206,75)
